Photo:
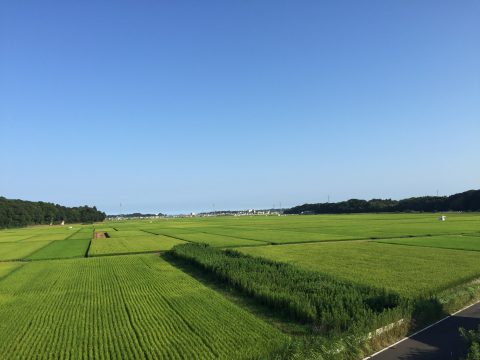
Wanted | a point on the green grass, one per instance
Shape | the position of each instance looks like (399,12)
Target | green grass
(106,229)
(7,267)
(458,242)
(19,251)
(167,231)
(139,306)
(218,240)
(61,249)
(123,245)
(277,236)
(126,233)
(408,270)
(40,233)
(44,237)
(472,234)
(7,237)
(135,307)
(314,228)
(82,234)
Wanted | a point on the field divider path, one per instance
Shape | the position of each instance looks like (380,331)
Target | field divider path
(146,252)
(128,253)
(39,249)
(170,236)
(264,242)
(179,237)
(475,235)
(28,237)
(239,237)
(267,243)
(16,260)
(21,263)
(71,235)
(154,233)
(18,241)
(148,232)
(88,248)
(424,246)
(372,239)
(15,242)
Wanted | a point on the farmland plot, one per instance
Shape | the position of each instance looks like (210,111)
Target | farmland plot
(61,249)
(332,305)
(82,234)
(126,233)
(136,307)
(278,237)
(290,229)
(7,267)
(19,251)
(166,231)
(13,237)
(408,270)
(370,227)
(459,242)
(218,240)
(45,237)
(134,244)
(109,230)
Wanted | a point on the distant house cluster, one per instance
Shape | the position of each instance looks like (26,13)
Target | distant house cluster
(135,216)
(248,212)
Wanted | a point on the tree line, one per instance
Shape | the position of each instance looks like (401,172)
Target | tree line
(17,213)
(465,201)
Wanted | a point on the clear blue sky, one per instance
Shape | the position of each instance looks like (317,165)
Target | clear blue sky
(176,106)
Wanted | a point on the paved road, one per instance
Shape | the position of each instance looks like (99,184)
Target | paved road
(439,342)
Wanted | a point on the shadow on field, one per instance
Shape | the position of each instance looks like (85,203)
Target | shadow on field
(441,341)
(264,312)
(425,312)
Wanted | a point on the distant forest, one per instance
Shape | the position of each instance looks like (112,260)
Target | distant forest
(17,213)
(466,201)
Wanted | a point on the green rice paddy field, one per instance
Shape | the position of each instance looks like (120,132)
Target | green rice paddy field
(67,293)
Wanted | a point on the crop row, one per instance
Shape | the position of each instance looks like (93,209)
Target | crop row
(136,307)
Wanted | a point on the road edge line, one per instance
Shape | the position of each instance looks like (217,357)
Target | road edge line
(421,330)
